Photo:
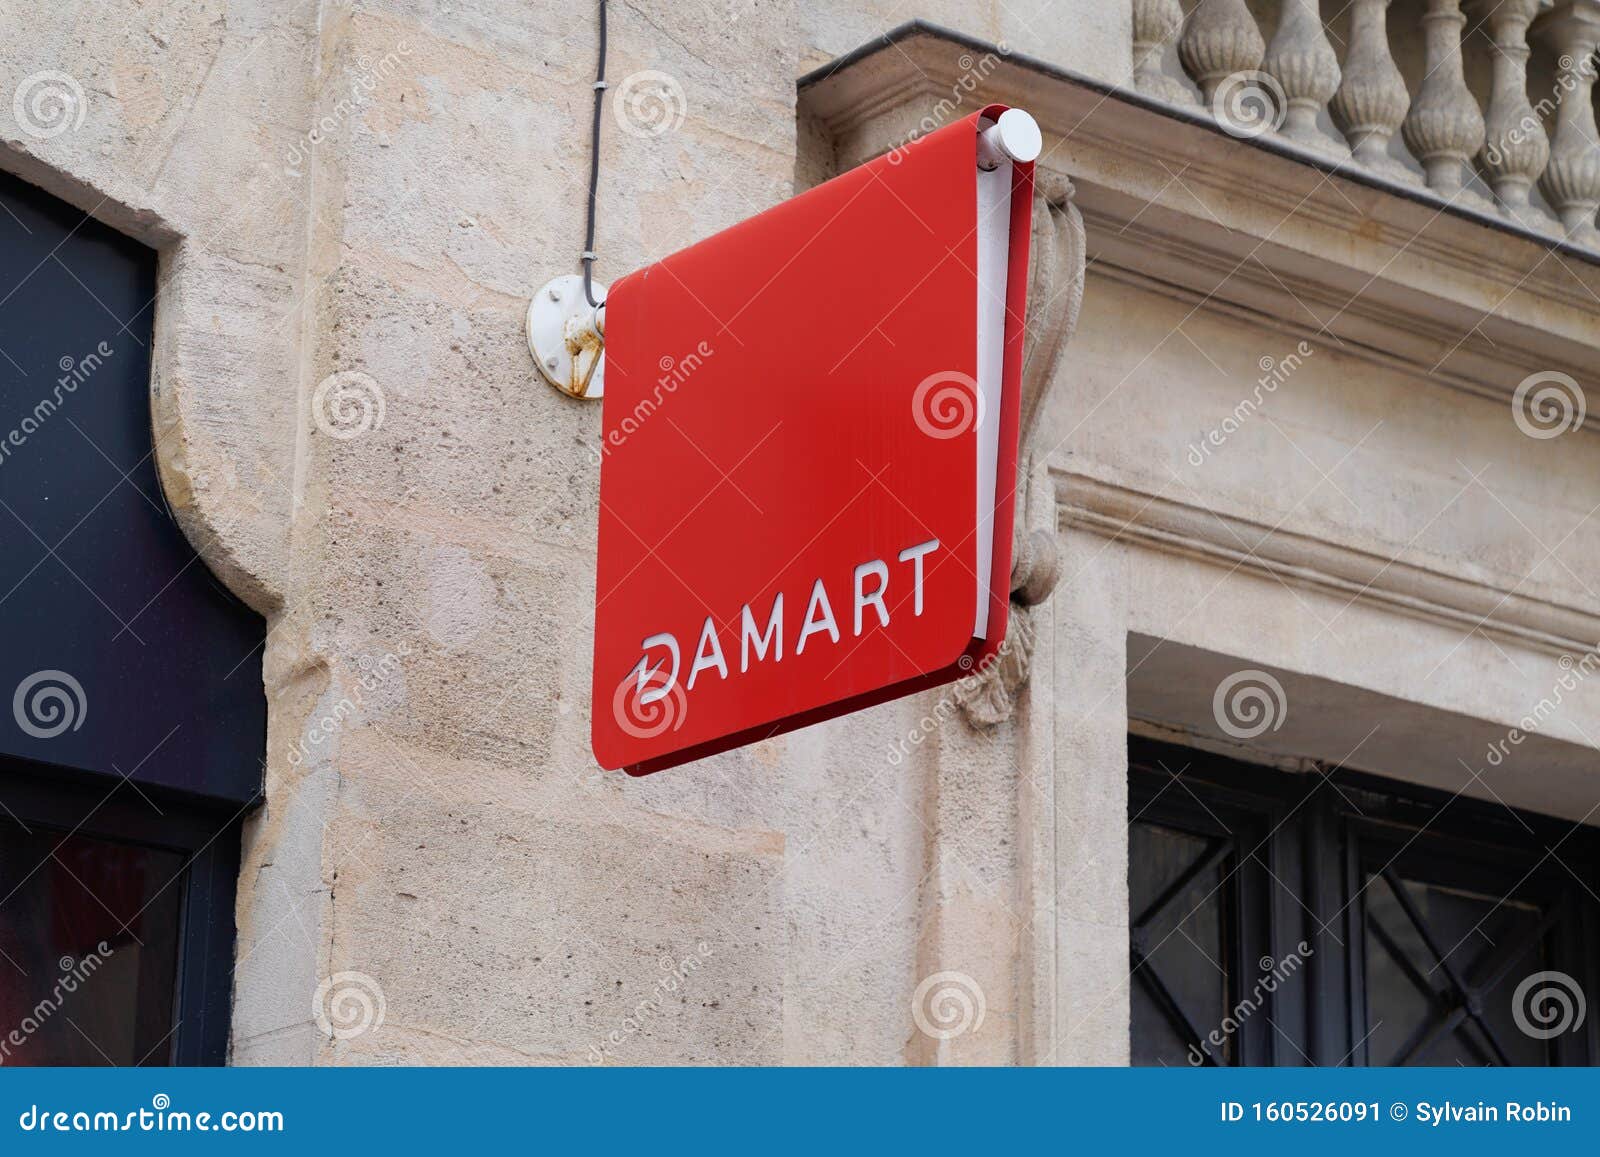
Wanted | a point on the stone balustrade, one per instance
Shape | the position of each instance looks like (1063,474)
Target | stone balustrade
(1487,103)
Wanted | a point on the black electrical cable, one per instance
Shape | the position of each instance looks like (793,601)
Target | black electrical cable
(594,163)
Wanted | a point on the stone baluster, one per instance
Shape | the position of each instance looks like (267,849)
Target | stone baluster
(1571,181)
(1515,148)
(1372,99)
(1220,40)
(1303,63)
(1155,23)
(1444,128)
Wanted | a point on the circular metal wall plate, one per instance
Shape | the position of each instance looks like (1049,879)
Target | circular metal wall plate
(570,357)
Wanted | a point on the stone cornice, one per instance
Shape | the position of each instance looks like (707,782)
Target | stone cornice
(1410,584)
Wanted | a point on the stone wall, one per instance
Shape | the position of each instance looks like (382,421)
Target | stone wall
(353,204)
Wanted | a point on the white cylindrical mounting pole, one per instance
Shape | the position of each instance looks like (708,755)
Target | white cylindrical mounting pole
(1014,136)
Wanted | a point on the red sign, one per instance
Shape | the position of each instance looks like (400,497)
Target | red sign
(809,455)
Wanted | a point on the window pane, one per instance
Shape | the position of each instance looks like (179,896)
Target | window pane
(1411,999)
(88,949)
(1184,943)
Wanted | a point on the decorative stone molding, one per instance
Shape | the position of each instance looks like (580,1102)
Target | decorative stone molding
(989,695)
(1372,100)
(1155,24)
(1035,568)
(1221,39)
(1442,124)
(1444,128)
(1055,288)
(1302,61)
(1515,149)
(1572,179)
(1165,524)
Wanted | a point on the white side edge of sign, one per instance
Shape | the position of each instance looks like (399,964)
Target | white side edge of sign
(996,144)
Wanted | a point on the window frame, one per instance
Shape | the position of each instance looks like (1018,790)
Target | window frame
(1350,821)
(205,834)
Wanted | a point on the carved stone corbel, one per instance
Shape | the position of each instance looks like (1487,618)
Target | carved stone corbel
(1055,294)
(989,695)
(1055,290)
(1035,568)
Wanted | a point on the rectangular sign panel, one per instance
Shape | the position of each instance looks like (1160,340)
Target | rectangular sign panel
(809,456)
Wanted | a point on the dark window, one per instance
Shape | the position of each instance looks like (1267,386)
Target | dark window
(132,719)
(144,873)
(1329,917)
(90,932)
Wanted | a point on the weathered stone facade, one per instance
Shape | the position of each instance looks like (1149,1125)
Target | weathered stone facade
(374,190)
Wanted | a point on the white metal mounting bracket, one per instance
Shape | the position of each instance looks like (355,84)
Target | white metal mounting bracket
(566,336)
